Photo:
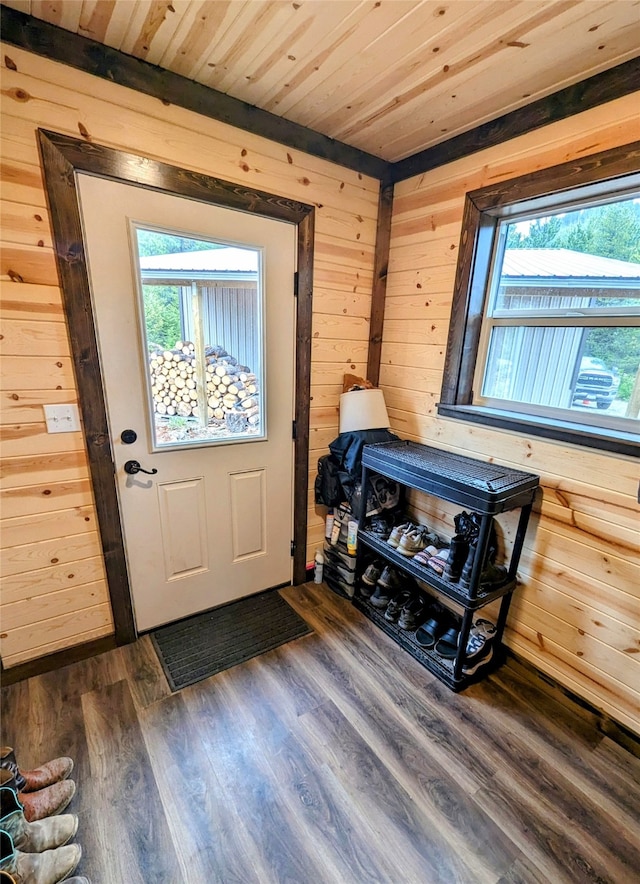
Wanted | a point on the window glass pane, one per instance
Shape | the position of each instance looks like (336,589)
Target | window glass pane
(583,369)
(586,261)
(202,325)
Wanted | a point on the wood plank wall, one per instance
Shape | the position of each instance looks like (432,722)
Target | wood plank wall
(54,592)
(576,616)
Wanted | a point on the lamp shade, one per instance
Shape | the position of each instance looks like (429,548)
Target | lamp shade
(363,410)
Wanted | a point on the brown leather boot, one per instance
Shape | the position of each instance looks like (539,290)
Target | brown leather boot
(37,868)
(34,837)
(41,777)
(45,802)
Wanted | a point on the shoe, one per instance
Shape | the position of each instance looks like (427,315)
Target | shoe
(413,612)
(424,555)
(34,837)
(43,803)
(380,597)
(394,538)
(471,667)
(428,634)
(48,867)
(447,644)
(389,579)
(491,575)
(380,526)
(415,541)
(458,552)
(364,590)
(467,525)
(387,587)
(41,777)
(372,573)
(396,605)
(472,537)
(479,645)
(438,562)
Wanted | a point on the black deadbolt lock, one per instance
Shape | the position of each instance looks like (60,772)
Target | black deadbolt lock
(128,436)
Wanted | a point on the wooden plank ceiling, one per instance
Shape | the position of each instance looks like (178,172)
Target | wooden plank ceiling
(391,77)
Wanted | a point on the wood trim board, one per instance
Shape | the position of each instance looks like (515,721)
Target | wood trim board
(57,660)
(62,157)
(623,79)
(379,292)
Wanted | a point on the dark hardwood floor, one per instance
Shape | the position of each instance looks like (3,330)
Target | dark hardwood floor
(336,758)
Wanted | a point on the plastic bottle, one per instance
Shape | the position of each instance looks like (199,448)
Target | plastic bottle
(352,538)
(328,527)
(319,567)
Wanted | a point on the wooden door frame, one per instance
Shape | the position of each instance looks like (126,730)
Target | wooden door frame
(62,158)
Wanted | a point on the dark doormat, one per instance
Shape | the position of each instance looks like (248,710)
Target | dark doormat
(201,646)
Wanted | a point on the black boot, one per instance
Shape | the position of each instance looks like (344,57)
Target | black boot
(458,552)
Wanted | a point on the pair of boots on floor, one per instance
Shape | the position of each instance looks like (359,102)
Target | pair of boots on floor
(33,840)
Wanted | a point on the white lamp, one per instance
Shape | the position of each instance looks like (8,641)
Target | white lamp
(363,410)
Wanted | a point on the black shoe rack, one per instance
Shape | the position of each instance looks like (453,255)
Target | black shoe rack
(485,488)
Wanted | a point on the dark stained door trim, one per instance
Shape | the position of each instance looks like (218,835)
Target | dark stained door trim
(62,157)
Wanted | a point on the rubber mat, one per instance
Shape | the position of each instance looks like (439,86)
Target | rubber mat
(194,649)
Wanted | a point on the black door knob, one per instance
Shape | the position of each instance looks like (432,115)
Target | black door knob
(133,466)
(128,436)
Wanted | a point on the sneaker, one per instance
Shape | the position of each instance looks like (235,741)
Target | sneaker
(479,645)
(380,526)
(365,591)
(413,612)
(380,597)
(387,587)
(396,604)
(389,579)
(482,660)
(372,573)
(415,541)
(395,536)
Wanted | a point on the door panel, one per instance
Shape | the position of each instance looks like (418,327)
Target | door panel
(183,527)
(214,523)
(248,513)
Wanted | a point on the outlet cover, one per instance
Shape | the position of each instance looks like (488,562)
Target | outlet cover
(62,418)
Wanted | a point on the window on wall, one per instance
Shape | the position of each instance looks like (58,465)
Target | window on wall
(545,326)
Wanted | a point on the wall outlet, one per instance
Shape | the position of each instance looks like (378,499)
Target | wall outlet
(62,418)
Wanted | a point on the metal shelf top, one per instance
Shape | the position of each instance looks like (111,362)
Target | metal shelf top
(451,476)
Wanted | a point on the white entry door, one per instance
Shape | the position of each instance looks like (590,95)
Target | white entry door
(211,519)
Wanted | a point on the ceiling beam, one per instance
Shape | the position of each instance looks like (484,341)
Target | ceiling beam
(87,55)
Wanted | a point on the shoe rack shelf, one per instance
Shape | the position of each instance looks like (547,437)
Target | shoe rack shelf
(486,488)
(450,590)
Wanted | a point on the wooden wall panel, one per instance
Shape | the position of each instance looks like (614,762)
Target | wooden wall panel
(49,528)
(577,614)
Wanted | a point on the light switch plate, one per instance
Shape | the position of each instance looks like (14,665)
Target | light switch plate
(62,418)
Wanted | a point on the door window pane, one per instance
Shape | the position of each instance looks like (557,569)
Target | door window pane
(201,311)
